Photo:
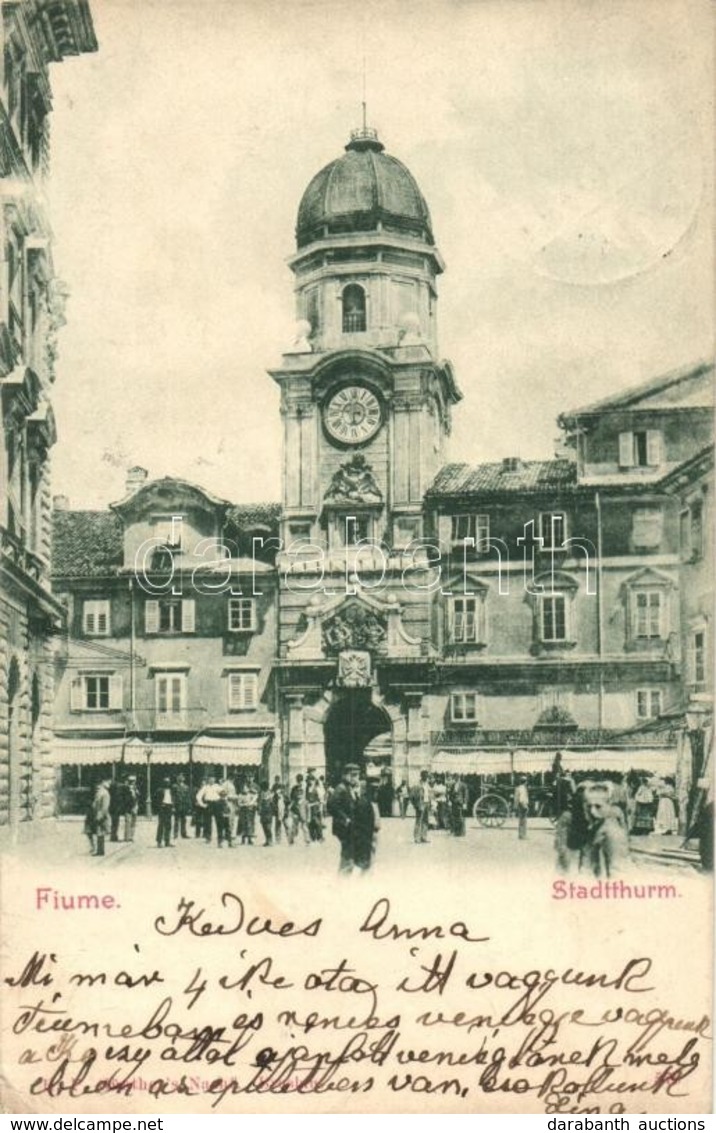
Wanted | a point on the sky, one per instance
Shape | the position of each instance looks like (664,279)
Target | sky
(564,148)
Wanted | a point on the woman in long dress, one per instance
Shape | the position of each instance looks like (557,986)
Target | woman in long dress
(666,810)
(643,820)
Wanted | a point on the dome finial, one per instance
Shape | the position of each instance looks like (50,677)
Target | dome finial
(365,137)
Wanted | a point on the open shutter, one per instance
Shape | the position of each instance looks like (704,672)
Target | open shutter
(654,453)
(626,450)
(482,619)
(88,625)
(102,615)
(634,603)
(116,691)
(188,615)
(151,616)
(451,628)
(234,690)
(252,690)
(77,694)
(665,601)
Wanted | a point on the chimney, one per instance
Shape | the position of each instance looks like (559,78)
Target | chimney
(511,464)
(61,503)
(135,478)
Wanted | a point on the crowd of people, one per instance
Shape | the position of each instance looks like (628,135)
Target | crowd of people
(594,817)
(219,810)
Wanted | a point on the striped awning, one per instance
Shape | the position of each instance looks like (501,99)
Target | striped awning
(472,762)
(87,751)
(240,751)
(138,752)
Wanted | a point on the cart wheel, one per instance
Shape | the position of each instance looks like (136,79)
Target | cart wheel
(490,810)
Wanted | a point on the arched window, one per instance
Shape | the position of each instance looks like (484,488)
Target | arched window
(353,299)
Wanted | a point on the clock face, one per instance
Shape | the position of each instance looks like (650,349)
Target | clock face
(352,415)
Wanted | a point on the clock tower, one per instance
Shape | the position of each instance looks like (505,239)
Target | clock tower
(366,405)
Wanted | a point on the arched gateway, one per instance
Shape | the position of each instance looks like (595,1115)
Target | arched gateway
(353,720)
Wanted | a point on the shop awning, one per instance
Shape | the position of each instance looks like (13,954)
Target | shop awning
(90,752)
(472,762)
(136,752)
(241,751)
(661,760)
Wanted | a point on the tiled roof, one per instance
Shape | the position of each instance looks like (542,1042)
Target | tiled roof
(88,544)
(246,516)
(85,544)
(528,476)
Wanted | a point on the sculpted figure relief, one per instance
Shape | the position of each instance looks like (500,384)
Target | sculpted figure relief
(354,482)
(354,627)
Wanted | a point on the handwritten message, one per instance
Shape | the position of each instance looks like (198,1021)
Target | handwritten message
(215,996)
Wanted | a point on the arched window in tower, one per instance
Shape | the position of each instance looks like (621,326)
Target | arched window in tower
(353,299)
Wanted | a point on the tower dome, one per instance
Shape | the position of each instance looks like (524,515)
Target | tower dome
(364,190)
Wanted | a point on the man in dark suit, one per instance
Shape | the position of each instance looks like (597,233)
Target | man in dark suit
(164,810)
(355,822)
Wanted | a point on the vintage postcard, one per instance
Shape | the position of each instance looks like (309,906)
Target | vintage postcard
(356,557)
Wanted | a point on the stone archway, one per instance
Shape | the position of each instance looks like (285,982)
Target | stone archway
(352,721)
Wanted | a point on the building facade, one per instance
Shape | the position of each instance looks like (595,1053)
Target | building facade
(474,618)
(170,638)
(692,486)
(392,609)
(36,33)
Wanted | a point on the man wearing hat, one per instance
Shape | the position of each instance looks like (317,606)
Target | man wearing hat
(130,807)
(354,821)
(164,808)
(522,806)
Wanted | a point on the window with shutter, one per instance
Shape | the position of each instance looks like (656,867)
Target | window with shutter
(654,447)
(77,700)
(151,616)
(170,694)
(463,527)
(96,693)
(243,691)
(116,692)
(188,615)
(95,617)
(626,450)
